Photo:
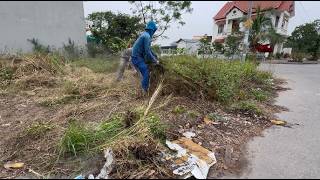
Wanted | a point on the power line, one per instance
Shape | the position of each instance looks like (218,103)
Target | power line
(306,13)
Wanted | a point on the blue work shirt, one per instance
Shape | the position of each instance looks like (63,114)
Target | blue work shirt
(142,47)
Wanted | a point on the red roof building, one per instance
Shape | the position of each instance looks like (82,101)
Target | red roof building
(243,6)
(229,18)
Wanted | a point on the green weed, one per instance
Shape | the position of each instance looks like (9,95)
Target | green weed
(98,65)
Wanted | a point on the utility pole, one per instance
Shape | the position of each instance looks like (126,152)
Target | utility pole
(246,36)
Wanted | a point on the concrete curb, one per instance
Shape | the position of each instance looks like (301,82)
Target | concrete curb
(286,62)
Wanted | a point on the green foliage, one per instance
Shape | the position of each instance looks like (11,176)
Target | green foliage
(306,39)
(79,138)
(216,79)
(278,55)
(179,110)
(156,49)
(157,127)
(232,44)
(94,50)
(162,12)
(205,46)
(114,30)
(6,73)
(98,65)
(298,57)
(247,107)
(262,29)
(259,94)
(39,48)
(216,117)
(181,51)
(72,51)
(218,47)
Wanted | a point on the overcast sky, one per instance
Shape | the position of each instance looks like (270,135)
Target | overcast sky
(200,21)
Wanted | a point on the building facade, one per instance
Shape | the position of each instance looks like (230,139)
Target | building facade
(190,46)
(229,18)
(51,22)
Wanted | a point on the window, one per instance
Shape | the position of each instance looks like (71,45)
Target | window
(220,29)
(277,21)
(284,22)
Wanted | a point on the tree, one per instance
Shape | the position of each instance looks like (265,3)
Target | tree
(274,37)
(218,47)
(262,30)
(162,12)
(306,39)
(115,30)
(232,44)
(259,31)
(205,46)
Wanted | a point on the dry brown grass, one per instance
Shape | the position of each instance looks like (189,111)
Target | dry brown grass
(55,92)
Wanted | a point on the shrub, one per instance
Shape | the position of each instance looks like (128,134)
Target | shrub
(39,48)
(157,127)
(79,138)
(71,50)
(216,79)
(94,50)
(298,57)
(278,55)
(247,107)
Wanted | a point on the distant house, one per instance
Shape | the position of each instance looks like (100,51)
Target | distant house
(169,50)
(204,36)
(51,22)
(190,46)
(228,19)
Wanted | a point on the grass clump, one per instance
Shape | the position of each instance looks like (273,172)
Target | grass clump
(179,110)
(247,107)
(79,138)
(259,94)
(98,65)
(213,79)
(157,127)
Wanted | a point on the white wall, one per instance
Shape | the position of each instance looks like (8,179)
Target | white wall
(191,48)
(52,22)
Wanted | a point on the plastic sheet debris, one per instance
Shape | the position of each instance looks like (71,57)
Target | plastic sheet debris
(189,134)
(80,177)
(90,176)
(191,159)
(107,167)
(13,165)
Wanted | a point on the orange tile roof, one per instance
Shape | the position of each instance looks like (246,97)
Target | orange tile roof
(243,6)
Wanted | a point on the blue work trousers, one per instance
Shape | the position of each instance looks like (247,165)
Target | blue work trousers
(140,64)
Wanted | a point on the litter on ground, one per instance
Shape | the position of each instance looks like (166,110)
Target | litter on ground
(191,159)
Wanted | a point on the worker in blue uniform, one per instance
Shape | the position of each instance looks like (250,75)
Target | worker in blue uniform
(141,51)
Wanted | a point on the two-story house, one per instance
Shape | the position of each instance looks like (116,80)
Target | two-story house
(229,18)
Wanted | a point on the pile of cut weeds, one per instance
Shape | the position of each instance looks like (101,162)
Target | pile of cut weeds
(57,118)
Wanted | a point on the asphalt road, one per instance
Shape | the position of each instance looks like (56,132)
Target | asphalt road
(290,152)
